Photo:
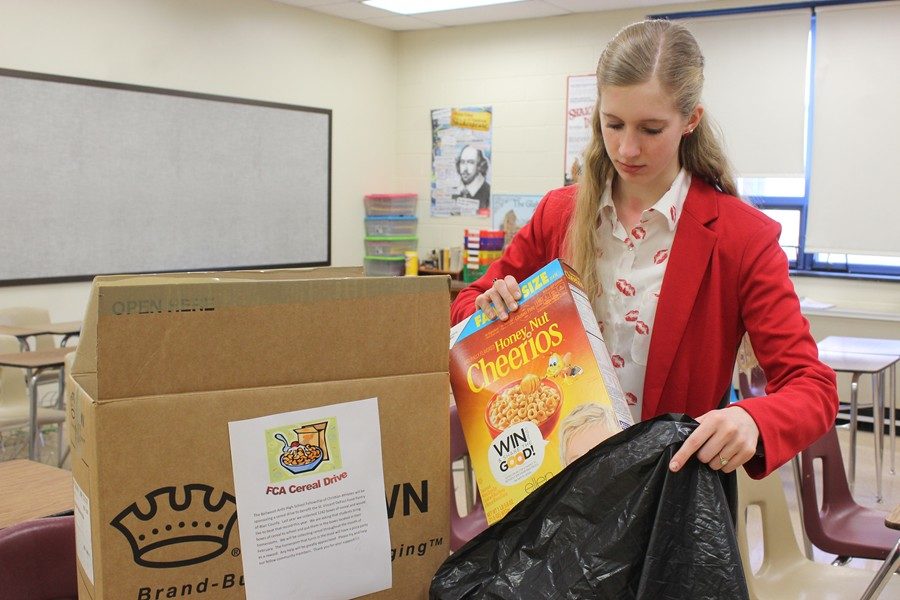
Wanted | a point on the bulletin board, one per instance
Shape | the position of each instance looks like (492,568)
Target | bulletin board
(102,178)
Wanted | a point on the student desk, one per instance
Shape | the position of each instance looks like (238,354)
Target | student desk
(37,362)
(859,345)
(23,332)
(32,490)
(857,365)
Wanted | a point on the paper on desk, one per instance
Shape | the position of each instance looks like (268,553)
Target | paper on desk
(310,501)
(814,304)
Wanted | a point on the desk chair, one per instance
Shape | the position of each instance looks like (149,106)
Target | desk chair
(840,526)
(752,384)
(15,405)
(785,572)
(462,529)
(29,315)
(37,560)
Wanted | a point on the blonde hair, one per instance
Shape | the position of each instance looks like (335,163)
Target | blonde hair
(635,55)
(582,417)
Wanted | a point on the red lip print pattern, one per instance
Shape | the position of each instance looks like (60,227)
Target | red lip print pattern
(626,288)
(632,315)
(661,256)
(630,398)
(629,243)
(617,361)
(672,212)
(638,233)
(642,328)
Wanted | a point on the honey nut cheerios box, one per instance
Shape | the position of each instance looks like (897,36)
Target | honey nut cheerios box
(536,391)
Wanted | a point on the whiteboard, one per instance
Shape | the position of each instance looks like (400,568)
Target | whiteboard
(102,178)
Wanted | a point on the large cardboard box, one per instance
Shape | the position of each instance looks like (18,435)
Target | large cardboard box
(166,362)
(535,391)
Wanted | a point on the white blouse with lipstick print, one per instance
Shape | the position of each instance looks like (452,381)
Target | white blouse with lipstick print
(631,266)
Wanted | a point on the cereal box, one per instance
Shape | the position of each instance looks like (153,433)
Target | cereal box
(536,391)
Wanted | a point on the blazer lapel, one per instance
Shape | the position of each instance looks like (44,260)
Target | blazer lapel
(688,262)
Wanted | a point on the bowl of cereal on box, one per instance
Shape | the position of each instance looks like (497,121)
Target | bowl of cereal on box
(529,399)
(300,458)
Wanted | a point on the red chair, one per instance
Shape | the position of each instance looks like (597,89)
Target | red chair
(37,560)
(840,526)
(753,384)
(462,529)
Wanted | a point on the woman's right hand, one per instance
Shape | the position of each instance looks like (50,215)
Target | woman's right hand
(500,299)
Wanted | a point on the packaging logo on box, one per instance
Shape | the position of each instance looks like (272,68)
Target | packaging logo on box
(178,528)
(536,391)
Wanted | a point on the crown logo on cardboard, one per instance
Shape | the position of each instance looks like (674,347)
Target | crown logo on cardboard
(173,533)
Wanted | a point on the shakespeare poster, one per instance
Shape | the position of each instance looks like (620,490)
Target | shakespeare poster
(461,161)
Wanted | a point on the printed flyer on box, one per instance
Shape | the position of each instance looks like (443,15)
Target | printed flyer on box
(534,392)
(310,495)
(461,161)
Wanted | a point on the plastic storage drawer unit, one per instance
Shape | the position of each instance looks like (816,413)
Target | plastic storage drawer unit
(391,226)
(390,246)
(383,266)
(397,205)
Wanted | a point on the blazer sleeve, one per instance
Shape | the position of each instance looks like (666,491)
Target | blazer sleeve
(801,398)
(535,245)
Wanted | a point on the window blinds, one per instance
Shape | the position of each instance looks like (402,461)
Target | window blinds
(755,87)
(856,131)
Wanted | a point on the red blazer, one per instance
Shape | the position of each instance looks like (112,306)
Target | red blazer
(726,275)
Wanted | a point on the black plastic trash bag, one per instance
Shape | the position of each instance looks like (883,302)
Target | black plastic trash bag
(616,524)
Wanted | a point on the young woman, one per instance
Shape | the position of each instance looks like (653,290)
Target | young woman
(678,268)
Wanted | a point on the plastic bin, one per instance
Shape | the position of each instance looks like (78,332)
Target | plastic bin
(391,226)
(391,246)
(384,266)
(397,205)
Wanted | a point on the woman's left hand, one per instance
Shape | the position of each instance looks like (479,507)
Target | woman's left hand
(725,439)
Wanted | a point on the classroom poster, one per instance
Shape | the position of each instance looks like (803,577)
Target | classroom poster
(580,99)
(510,212)
(461,161)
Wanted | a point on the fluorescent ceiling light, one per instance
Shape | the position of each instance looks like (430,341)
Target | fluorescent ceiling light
(415,7)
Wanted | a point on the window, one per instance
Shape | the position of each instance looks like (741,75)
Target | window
(850,230)
(783,199)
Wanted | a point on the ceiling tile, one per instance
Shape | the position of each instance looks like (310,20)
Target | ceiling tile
(527,9)
(402,23)
(353,10)
(310,3)
(530,9)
